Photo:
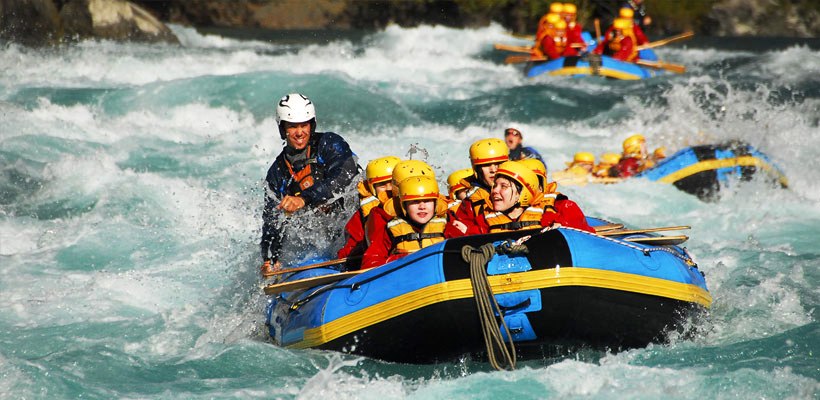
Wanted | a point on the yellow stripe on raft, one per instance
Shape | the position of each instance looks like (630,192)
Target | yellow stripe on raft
(743,161)
(462,289)
(601,71)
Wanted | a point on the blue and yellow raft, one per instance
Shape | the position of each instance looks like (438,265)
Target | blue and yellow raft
(591,65)
(702,170)
(571,289)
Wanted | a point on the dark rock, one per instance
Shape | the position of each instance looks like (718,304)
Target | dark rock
(112,19)
(30,22)
(764,18)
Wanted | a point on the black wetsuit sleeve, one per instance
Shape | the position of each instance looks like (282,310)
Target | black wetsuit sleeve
(339,168)
(271,243)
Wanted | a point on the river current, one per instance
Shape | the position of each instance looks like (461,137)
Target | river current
(131,194)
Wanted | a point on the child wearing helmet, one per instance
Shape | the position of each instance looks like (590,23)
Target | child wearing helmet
(419,222)
(309,172)
(634,159)
(485,156)
(373,192)
(582,164)
(517,203)
(607,161)
(620,43)
(380,216)
(457,188)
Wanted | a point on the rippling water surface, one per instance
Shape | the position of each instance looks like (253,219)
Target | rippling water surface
(130,202)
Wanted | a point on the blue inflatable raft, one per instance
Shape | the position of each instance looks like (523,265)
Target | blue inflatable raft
(593,65)
(567,289)
(702,170)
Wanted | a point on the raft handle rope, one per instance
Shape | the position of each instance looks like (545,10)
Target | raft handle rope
(478,258)
(645,250)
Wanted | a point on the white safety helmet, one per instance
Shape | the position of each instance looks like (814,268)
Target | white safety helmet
(296,108)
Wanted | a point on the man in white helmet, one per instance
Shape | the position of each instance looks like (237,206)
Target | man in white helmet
(312,170)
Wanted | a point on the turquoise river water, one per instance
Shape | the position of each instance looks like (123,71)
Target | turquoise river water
(131,195)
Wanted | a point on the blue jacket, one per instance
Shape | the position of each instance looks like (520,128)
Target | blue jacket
(333,168)
(520,153)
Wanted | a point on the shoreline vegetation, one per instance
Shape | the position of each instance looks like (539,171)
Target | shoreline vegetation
(48,22)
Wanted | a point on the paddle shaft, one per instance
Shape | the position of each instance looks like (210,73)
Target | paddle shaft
(659,240)
(682,36)
(608,227)
(312,266)
(308,283)
(646,230)
(676,68)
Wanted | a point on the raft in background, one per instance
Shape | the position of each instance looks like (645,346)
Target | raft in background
(701,170)
(572,289)
(593,65)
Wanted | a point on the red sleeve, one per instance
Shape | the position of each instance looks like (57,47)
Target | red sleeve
(465,215)
(640,37)
(569,214)
(354,237)
(380,244)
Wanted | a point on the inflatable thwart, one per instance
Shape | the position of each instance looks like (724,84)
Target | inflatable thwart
(555,290)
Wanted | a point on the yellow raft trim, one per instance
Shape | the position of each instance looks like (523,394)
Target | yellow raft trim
(462,289)
(612,73)
(744,161)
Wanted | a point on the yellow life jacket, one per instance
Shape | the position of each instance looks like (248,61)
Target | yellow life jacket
(367,201)
(478,196)
(407,240)
(453,205)
(500,222)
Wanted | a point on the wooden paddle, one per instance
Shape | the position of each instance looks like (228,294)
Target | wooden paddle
(608,227)
(659,240)
(676,68)
(513,48)
(308,283)
(311,266)
(597,31)
(645,230)
(682,36)
(522,59)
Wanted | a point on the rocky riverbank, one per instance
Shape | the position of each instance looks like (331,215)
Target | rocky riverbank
(39,22)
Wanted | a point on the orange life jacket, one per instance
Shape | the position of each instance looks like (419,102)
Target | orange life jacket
(304,177)
(479,198)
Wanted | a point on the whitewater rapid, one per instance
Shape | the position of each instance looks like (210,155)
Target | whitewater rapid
(131,194)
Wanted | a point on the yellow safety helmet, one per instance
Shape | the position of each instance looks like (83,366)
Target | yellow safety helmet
(418,188)
(552,18)
(560,25)
(409,168)
(536,166)
(454,180)
(569,8)
(632,145)
(584,157)
(622,23)
(610,158)
(489,151)
(523,175)
(626,12)
(556,7)
(380,170)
